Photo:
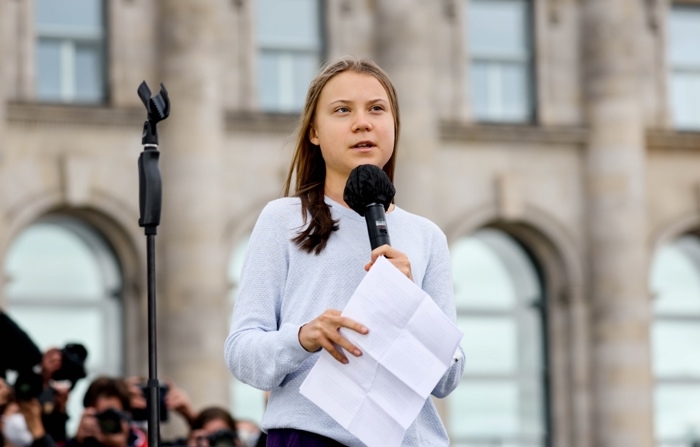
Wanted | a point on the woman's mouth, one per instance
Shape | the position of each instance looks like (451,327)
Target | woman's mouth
(364,145)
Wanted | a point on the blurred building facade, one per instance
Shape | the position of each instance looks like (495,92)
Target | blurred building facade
(556,142)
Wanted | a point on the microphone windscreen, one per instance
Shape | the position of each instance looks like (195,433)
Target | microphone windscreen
(368,184)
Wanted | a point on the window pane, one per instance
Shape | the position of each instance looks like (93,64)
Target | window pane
(48,57)
(497,28)
(487,409)
(685,99)
(684,34)
(54,326)
(288,24)
(684,61)
(305,68)
(500,400)
(489,344)
(49,261)
(289,40)
(64,286)
(247,402)
(672,341)
(285,77)
(677,415)
(675,278)
(499,47)
(480,278)
(69,14)
(88,73)
(268,87)
(515,90)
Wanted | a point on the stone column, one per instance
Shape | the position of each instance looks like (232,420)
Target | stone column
(3,76)
(617,225)
(405,49)
(193,301)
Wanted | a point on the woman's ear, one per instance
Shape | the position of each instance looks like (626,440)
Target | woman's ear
(313,135)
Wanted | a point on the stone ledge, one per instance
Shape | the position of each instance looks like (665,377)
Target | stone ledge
(667,140)
(96,115)
(260,122)
(509,133)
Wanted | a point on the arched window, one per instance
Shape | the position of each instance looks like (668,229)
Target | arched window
(64,284)
(70,50)
(675,285)
(247,402)
(501,400)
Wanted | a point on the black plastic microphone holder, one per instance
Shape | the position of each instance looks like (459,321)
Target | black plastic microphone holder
(150,203)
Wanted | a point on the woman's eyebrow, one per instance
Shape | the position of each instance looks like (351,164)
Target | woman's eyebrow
(349,101)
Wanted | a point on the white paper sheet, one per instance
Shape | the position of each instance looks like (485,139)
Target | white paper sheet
(410,345)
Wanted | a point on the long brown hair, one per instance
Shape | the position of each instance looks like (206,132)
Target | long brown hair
(308,169)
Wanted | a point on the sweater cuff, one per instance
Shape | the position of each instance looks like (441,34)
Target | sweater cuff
(290,338)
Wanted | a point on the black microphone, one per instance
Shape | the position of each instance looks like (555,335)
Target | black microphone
(369,192)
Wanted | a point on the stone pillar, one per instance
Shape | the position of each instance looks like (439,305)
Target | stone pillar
(3,76)
(193,300)
(617,225)
(405,49)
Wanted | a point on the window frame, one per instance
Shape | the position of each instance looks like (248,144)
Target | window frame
(69,39)
(517,314)
(527,61)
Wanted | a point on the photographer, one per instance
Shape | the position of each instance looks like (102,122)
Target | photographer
(172,398)
(60,370)
(20,422)
(47,378)
(106,419)
(213,427)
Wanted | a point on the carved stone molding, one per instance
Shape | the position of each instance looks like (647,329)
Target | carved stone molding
(509,133)
(672,141)
(74,114)
(261,122)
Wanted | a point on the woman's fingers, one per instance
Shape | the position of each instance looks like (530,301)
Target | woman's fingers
(396,257)
(323,333)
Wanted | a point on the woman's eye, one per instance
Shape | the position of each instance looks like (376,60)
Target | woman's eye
(377,108)
(342,109)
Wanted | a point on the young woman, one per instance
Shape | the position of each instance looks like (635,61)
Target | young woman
(308,253)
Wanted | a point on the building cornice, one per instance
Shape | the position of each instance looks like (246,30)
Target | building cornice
(89,115)
(285,123)
(510,133)
(667,140)
(259,122)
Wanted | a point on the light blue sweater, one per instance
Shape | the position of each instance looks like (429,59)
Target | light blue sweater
(283,288)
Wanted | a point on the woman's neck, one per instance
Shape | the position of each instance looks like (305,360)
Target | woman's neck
(335,189)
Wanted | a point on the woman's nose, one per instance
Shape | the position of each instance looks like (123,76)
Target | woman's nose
(361,123)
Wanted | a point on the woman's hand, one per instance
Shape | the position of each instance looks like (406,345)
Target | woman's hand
(398,258)
(5,392)
(178,400)
(87,428)
(323,332)
(31,410)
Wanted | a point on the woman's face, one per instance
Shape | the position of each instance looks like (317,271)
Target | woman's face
(353,124)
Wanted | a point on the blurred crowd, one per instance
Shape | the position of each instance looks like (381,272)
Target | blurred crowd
(33,407)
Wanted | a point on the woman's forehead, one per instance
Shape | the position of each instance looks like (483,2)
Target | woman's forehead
(351,86)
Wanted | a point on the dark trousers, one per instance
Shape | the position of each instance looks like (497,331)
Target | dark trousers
(289,437)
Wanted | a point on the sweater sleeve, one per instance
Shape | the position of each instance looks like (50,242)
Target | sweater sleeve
(438,284)
(258,350)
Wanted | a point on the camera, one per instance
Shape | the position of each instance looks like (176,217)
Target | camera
(30,385)
(222,438)
(73,357)
(110,421)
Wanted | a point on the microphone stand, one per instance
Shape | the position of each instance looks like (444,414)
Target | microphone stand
(150,202)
